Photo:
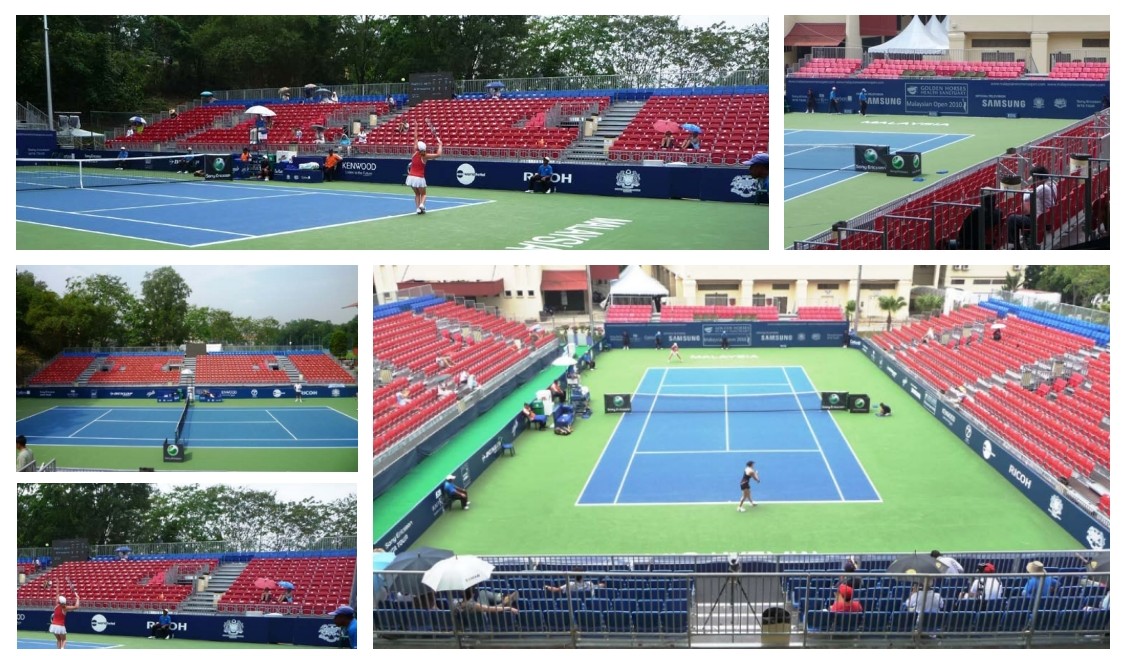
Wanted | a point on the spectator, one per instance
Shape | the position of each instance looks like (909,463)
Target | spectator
(266,170)
(162,627)
(557,394)
(862,104)
(930,335)
(491,597)
(693,142)
(834,107)
(472,384)
(471,604)
(299,134)
(172,113)
(543,179)
(24,456)
(391,102)
(883,410)
(455,492)
(844,601)
(266,597)
(997,334)
(121,155)
(927,600)
(850,566)
(345,143)
(810,102)
(286,596)
(403,127)
(952,565)
(401,397)
(668,142)
(463,378)
(1044,196)
(532,418)
(344,617)
(576,585)
(758,171)
(331,165)
(985,588)
(1040,578)
(443,361)
(129,132)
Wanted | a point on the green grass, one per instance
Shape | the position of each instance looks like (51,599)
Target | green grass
(816,211)
(124,642)
(936,492)
(280,459)
(512,217)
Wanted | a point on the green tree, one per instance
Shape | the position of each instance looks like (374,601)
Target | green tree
(103,513)
(851,308)
(891,305)
(1078,284)
(164,295)
(926,304)
(30,293)
(1013,282)
(339,344)
(107,302)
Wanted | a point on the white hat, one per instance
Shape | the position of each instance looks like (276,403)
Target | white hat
(62,600)
(421,145)
(450,477)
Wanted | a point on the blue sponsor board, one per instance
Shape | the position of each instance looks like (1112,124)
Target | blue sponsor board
(706,183)
(743,333)
(309,631)
(1026,97)
(1071,517)
(36,143)
(152,393)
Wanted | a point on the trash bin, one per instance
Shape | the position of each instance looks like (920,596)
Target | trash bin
(775,627)
(590,126)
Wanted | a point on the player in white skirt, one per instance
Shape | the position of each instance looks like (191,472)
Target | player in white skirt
(58,619)
(416,177)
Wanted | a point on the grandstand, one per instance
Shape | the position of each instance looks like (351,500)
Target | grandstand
(973,86)
(208,588)
(1023,421)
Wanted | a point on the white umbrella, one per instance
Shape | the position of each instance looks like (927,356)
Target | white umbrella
(457,573)
(997,326)
(564,361)
(262,111)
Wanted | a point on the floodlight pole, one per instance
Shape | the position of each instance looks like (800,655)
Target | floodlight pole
(858,300)
(47,57)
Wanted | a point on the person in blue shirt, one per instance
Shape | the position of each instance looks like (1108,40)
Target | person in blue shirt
(349,627)
(862,102)
(543,179)
(758,170)
(834,101)
(455,492)
(163,626)
(1048,582)
(121,155)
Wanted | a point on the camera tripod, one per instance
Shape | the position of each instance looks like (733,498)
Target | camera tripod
(731,585)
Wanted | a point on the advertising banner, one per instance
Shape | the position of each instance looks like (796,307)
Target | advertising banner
(905,164)
(157,394)
(743,333)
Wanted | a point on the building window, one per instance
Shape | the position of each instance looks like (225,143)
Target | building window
(958,281)
(758,300)
(999,43)
(530,293)
(717,299)
(781,286)
(827,285)
(519,293)
(1095,43)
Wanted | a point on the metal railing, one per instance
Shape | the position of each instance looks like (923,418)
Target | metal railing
(1062,309)
(733,601)
(31,117)
(218,547)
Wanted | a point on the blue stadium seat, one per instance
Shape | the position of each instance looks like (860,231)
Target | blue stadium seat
(675,622)
(588,621)
(847,622)
(901,621)
(1095,620)
(616,621)
(877,621)
(385,619)
(647,622)
(531,621)
(959,621)
(556,621)
(817,620)
(505,623)
(1015,620)
(988,621)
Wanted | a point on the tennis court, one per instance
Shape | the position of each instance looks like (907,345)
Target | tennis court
(174,209)
(816,199)
(690,423)
(31,640)
(816,159)
(50,643)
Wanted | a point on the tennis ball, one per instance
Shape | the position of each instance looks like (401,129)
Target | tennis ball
(898,162)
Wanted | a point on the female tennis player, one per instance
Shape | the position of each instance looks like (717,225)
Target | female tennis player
(58,619)
(674,352)
(747,494)
(416,177)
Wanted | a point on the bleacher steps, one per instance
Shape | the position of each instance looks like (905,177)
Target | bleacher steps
(612,123)
(288,367)
(89,371)
(188,364)
(219,582)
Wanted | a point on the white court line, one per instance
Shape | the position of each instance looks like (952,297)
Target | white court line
(611,437)
(121,218)
(103,234)
(724,384)
(725,400)
(335,225)
(676,453)
(140,193)
(189,202)
(39,413)
(642,430)
(89,424)
(716,503)
(281,425)
(813,435)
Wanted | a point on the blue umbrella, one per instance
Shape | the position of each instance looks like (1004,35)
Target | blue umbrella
(323,91)
(495,85)
(123,550)
(286,585)
(690,127)
(138,119)
(206,94)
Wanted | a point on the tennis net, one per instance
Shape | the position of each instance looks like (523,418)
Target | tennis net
(823,157)
(41,173)
(182,420)
(680,403)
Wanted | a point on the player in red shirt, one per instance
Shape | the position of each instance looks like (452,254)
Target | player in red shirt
(416,177)
(58,619)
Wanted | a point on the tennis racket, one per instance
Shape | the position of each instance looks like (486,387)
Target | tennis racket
(73,589)
(432,128)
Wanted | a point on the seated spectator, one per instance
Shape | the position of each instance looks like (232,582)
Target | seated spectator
(927,600)
(162,628)
(491,597)
(286,597)
(266,597)
(472,605)
(472,383)
(299,134)
(1050,582)
(930,335)
(463,378)
(984,588)
(403,127)
(884,410)
(266,170)
(668,142)
(401,397)
(952,565)
(455,492)
(443,361)
(533,418)
(850,566)
(557,394)
(693,142)
(392,102)
(844,601)
(576,585)
(1019,225)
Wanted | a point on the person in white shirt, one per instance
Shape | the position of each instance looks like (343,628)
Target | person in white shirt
(929,600)
(1046,199)
(952,565)
(984,588)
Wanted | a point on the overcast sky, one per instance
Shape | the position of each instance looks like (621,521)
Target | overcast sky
(729,19)
(282,292)
(290,491)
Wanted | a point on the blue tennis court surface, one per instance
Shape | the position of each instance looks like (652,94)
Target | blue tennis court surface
(205,213)
(49,643)
(266,427)
(800,152)
(665,454)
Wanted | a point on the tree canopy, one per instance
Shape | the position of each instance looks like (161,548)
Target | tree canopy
(148,63)
(122,513)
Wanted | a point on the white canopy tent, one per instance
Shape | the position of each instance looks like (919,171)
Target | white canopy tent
(915,39)
(938,32)
(635,282)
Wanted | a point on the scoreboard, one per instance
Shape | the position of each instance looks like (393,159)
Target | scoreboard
(430,86)
(65,551)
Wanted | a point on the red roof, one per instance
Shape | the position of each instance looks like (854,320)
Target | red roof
(564,281)
(604,271)
(871,25)
(459,288)
(816,34)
